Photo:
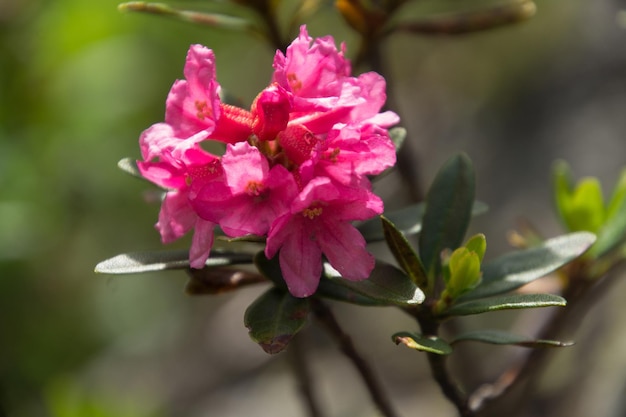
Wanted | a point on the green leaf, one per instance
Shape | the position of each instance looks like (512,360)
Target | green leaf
(478,245)
(505,302)
(209,281)
(404,253)
(331,288)
(275,318)
(498,337)
(408,220)
(397,135)
(587,207)
(618,198)
(611,235)
(387,285)
(138,262)
(270,268)
(516,269)
(464,270)
(581,208)
(448,211)
(420,342)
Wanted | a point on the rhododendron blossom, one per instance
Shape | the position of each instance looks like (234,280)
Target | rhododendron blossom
(295,168)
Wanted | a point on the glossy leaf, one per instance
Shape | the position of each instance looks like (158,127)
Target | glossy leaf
(404,253)
(387,285)
(275,318)
(334,289)
(270,269)
(498,337)
(505,302)
(138,262)
(208,281)
(408,220)
(423,343)
(516,269)
(448,210)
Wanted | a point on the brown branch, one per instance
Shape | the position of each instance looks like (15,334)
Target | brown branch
(217,280)
(328,321)
(430,327)
(474,21)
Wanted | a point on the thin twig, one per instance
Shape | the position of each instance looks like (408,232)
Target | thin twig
(449,388)
(437,363)
(327,319)
(303,374)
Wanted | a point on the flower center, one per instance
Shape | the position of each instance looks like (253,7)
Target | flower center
(254,188)
(312,212)
(203,110)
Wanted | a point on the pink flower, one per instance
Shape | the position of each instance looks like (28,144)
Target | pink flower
(350,153)
(313,70)
(319,223)
(193,105)
(296,164)
(252,196)
(172,163)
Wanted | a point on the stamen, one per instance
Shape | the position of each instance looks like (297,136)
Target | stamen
(311,213)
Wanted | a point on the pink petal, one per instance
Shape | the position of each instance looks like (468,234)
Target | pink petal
(176,216)
(201,243)
(344,246)
(300,261)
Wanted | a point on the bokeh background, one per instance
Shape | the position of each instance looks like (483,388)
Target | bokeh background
(79,81)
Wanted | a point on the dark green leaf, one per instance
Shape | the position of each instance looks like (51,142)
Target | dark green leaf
(219,280)
(137,262)
(404,253)
(274,318)
(448,210)
(387,285)
(505,302)
(498,337)
(408,220)
(331,288)
(515,269)
(270,268)
(423,343)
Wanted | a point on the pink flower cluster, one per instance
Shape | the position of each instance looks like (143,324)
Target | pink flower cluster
(295,166)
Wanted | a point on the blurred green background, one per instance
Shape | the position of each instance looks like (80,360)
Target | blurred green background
(79,81)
